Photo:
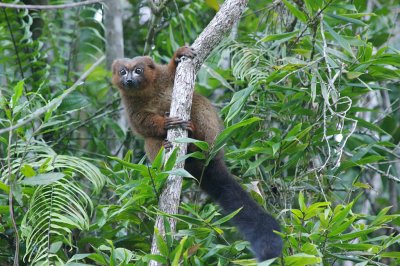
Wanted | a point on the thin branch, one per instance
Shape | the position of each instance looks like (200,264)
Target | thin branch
(153,184)
(14,44)
(11,202)
(156,11)
(311,22)
(49,7)
(55,101)
(373,168)
(99,113)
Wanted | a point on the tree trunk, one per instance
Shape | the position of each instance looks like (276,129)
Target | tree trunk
(114,32)
(114,50)
(182,99)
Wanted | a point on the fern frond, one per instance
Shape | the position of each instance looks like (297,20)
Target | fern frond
(250,63)
(53,212)
(38,154)
(58,204)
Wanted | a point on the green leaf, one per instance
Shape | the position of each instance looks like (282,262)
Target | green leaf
(227,217)
(293,132)
(340,213)
(78,257)
(4,187)
(18,89)
(197,154)
(354,235)
(353,75)
(188,219)
(315,209)
(179,172)
(301,259)
(281,36)
(137,167)
(345,18)
(27,170)
(313,5)
(169,164)
(213,4)
(339,228)
(370,159)
(369,125)
(178,252)
(217,76)
(55,247)
(358,247)
(298,213)
(302,204)
(392,254)
(237,102)
(202,145)
(227,132)
(42,179)
(382,217)
(157,258)
(161,244)
(295,11)
(158,161)
(275,148)
(362,185)
(339,39)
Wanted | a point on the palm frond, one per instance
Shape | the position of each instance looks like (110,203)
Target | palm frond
(39,155)
(53,212)
(58,204)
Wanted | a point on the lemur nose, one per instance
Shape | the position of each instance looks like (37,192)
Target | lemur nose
(129,82)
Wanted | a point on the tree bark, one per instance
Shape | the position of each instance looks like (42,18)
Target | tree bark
(114,32)
(182,100)
(115,49)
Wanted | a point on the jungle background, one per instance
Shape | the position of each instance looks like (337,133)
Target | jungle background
(308,89)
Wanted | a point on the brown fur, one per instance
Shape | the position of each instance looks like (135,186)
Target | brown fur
(146,105)
(146,90)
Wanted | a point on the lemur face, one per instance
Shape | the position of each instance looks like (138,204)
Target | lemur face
(131,75)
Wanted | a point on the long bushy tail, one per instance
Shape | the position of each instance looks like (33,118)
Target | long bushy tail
(252,221)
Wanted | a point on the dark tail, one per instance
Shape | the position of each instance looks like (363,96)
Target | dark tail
(253,222)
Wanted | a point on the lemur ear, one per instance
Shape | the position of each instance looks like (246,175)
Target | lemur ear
(114,65)
(149,62)
(152,65)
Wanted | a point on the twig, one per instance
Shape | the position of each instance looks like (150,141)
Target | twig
(331,90)
(48,7)
(153,184)
(300,69)
(11,202)
(156,11)
(181,23)
(83,123)
(312,21)
(14,44)
(55,101)
(373,168)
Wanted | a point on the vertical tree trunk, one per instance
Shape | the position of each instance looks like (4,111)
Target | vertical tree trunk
(114,50)
(182,100)
(114,32)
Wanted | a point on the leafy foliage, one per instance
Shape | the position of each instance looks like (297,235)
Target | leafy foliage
(308,92)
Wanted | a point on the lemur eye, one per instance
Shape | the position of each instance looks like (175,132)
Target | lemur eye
(139,70)
(122,72)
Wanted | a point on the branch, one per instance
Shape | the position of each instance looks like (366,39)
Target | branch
(48,7)
(182,95)
(55,101)
(156,11)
